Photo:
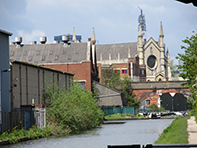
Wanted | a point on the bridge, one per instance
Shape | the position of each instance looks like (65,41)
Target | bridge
(158,85)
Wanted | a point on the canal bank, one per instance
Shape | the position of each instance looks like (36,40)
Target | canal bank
(192,130)
(131,132)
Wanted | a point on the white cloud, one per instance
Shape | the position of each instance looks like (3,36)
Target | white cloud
(33,36)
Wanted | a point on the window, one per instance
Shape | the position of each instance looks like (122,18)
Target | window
(29,58)
(50,52)
(142,72)
(124,71)
(69,57)
(12,53)
(147,102)
(38,52)
(43,58)
(77,51)
(56,57)
(24,53)
(117,71)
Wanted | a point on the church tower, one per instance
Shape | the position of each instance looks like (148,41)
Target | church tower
(140,46)
(162,52)
(142,22)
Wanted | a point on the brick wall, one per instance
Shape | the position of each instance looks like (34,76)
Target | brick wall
(82,71)
(122,67)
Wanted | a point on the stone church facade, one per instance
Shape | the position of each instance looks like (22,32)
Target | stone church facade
(140,61)
(153,55)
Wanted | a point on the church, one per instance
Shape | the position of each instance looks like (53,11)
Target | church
(140,61)
(144,60)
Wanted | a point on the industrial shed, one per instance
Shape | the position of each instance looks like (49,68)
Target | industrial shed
(28,82)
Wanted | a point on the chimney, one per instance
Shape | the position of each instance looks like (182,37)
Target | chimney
(43,39)
(65,38)
(33,42)
(18,40)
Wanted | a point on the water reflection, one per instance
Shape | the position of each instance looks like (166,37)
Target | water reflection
(132,132)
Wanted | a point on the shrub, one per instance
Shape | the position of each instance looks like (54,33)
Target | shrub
(73,110)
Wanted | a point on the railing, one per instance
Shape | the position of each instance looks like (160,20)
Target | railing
(152,146)
(22,118)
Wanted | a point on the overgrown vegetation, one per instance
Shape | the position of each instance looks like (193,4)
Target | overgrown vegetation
(124,86)
(176,133)
(154,108)
(71,110)
(188,69)
(17,135)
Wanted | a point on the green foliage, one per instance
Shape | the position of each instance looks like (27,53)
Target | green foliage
(114,80)
(188,69)
(16,135)
(125,87)
(173,69)
(176,133)
(71,111)
(120,116)
(155,108)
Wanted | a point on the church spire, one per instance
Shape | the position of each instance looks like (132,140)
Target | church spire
(140,46)
(74,35)
(161,36)
(93,37)
(161,30)
(140,31)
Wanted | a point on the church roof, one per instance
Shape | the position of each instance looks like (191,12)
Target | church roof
(115,49)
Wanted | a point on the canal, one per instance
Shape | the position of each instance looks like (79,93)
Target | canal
(131,132)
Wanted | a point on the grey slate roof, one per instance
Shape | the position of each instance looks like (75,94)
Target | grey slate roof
(49,53)
(114,49)
(73,53)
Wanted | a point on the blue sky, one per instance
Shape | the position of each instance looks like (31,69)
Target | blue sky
(115,21)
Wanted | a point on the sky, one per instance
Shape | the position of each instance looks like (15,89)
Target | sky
(114,21)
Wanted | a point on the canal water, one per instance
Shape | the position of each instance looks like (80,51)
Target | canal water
(131,132)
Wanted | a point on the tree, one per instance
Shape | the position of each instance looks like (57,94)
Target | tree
(155,108)
(189,67)
(125,87)
(173,69)
(127,90)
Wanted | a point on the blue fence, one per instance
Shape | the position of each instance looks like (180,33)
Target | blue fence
(116,110)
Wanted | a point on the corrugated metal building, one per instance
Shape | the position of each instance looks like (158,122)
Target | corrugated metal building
(28,82)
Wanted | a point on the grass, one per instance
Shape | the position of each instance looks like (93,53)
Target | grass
(16,135)
(122,116)
(176,133)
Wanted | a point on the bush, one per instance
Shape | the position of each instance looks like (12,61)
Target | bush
(73,110)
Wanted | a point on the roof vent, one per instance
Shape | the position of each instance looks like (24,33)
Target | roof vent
(65,38)
(18,40)
(43,39)
(33,42)
(55,42)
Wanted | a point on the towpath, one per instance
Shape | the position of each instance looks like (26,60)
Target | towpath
(192,130)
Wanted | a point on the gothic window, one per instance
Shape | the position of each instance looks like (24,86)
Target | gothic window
(152,61)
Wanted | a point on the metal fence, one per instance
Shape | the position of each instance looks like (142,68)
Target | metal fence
(23,118)
(116,110)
